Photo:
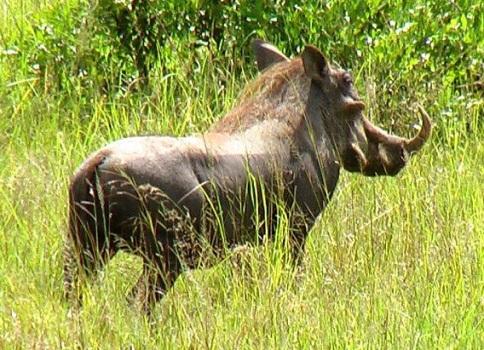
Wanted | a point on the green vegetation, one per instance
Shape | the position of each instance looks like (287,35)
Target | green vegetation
(393,262)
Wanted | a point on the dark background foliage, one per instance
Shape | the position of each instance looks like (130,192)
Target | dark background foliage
(416,50)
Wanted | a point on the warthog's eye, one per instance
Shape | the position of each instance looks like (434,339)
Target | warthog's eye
(347,79)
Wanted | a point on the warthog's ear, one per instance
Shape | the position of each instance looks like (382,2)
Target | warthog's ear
(315,64)
(266,54)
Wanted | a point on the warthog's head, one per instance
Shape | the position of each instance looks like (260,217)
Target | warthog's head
(334,106)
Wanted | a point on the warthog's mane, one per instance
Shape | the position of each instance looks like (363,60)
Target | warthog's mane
(279,93)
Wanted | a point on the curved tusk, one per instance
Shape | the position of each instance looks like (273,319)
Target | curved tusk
(416,143)
(363,162)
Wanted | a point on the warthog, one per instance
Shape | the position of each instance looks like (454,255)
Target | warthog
(166,198)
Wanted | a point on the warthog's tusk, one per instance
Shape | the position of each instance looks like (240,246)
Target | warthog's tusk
(416,143)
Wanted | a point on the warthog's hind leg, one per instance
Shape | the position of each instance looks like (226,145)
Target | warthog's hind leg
(157,278)
(81,264)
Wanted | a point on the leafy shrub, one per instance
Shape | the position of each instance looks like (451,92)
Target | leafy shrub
(108,45)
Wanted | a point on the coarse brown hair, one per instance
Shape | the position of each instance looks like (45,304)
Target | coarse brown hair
(279,92)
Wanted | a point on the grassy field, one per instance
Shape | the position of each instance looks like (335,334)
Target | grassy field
(392,263)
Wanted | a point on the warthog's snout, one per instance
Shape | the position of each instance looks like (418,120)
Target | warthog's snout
(386,154)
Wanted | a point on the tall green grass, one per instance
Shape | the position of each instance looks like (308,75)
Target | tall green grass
(392,262)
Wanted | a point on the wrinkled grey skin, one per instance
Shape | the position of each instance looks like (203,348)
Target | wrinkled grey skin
(154,196)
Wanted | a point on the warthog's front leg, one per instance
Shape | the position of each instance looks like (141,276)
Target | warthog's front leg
(298,234)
